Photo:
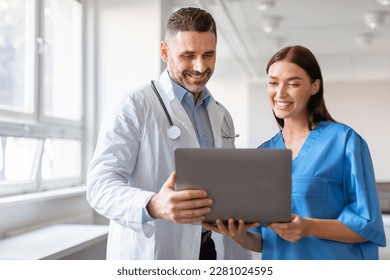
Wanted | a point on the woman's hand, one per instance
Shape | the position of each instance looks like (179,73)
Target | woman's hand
(330,229)
(292,231)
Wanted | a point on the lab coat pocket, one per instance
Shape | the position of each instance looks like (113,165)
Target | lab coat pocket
(309,196)
(124,243)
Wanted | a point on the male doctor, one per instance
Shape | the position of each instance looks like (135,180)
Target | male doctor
(131,177)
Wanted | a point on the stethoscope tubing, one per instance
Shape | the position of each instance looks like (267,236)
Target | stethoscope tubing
(173,131)
(162,103)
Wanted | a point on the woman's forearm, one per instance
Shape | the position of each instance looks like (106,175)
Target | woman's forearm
(332,230)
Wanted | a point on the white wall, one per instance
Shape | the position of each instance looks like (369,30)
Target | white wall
(128,37)
(364,105)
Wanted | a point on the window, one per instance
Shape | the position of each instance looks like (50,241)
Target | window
(61,59)
(15,54)
(41,98)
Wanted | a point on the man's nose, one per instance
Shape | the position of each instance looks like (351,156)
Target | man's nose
(199,65)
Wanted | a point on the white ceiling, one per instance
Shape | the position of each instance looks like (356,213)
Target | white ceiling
(327,27)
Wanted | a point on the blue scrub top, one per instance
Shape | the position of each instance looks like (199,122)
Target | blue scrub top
(332,178)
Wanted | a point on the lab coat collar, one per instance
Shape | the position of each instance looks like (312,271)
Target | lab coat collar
(215,110)
(165,80)
(216,114)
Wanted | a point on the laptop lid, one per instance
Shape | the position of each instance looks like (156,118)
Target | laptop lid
(249,184)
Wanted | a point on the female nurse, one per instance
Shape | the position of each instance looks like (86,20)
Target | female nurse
(335,206)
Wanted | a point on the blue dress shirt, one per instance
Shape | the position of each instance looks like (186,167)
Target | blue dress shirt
(197,113)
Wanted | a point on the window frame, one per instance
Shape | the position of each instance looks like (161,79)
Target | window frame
(36,124)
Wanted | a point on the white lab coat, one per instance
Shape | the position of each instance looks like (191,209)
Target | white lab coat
(133,158)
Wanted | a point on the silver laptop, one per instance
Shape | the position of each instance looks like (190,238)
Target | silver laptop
(248,184)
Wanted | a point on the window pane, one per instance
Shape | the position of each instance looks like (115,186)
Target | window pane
(18,157)
(14,56)
(62,59)
(61,159)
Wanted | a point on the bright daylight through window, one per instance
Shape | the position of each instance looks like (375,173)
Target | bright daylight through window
(41,97)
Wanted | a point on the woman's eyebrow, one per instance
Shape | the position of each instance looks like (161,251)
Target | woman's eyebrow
(289,79)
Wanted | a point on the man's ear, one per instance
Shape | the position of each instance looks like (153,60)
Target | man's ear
(164,53)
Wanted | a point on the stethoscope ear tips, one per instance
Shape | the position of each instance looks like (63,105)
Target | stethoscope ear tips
(174,132)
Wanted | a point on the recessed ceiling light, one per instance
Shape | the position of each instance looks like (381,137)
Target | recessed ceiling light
(264,5)
(384,2)
(374,19)
(269,24)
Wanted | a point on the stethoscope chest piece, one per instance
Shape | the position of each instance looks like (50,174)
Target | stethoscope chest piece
(174,132)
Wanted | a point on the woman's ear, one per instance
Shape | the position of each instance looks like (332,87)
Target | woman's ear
(164,53)
(315,86)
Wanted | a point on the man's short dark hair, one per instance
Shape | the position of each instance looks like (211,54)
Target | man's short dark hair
(190,19)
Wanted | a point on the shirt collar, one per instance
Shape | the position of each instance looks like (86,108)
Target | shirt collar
(180,92)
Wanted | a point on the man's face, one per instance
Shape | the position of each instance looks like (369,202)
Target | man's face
(190,58)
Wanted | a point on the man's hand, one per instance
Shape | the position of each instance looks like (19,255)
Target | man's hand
(238,232)
(187,206)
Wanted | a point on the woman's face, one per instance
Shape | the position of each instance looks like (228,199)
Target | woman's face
(289,90)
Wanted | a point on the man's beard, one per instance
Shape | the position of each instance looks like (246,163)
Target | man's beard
(197,85)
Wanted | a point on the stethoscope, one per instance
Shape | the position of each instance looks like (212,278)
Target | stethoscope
(174,132)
